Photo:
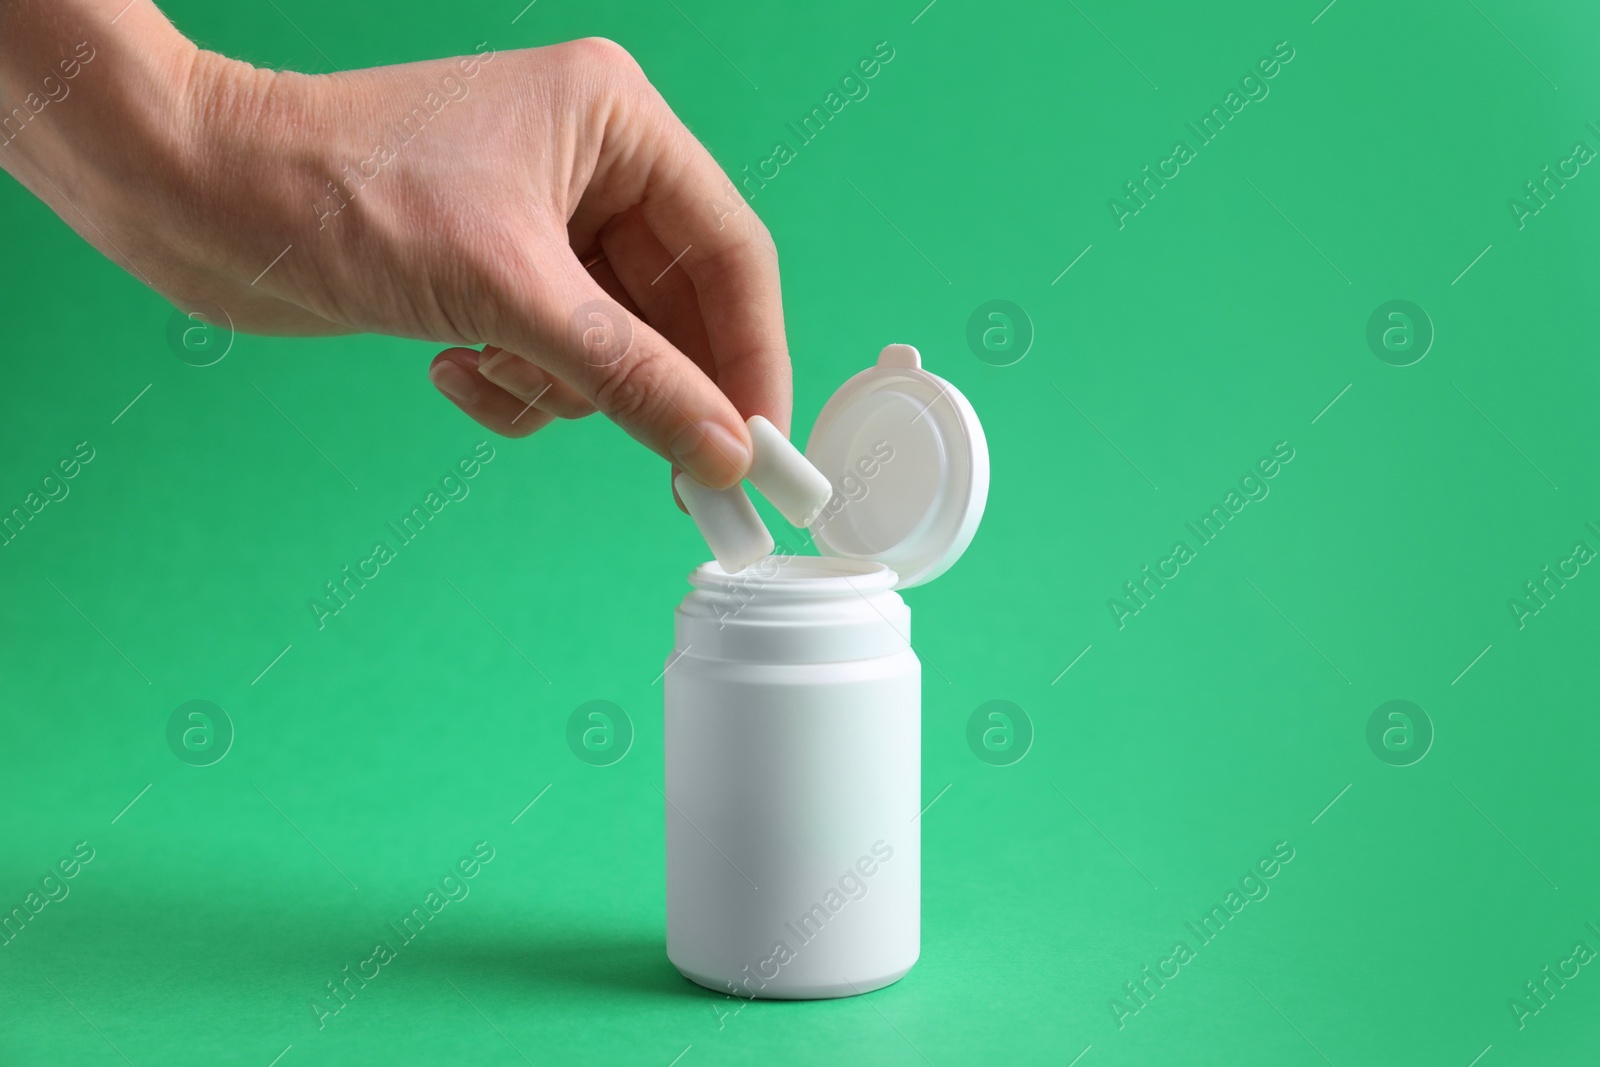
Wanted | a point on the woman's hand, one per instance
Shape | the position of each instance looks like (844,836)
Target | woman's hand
(544,202)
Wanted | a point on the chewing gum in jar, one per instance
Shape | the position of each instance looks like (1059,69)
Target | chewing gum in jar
(728,521)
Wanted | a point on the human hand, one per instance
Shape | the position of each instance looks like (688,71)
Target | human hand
(455,201)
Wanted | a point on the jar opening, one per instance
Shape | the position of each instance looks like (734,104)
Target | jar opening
(799,575)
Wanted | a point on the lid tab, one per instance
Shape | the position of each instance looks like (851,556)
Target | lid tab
(903,356)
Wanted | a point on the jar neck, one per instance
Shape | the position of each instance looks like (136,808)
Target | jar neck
(794,609)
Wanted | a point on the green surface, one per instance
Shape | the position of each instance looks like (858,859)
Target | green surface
(1178,751)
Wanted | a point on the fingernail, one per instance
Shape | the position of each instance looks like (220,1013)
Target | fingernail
(712,454)
(455,382)
(515,375)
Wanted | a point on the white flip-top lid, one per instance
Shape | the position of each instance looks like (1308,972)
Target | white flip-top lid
(909,466)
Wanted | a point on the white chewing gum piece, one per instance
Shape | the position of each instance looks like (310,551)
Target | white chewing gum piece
(728,521)
(782,474)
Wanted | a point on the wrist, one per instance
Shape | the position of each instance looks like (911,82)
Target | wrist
(89,107)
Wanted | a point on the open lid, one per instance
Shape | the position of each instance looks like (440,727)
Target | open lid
(909,466)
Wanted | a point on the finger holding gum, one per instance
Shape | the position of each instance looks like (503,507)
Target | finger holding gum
(779,472)
(728,521)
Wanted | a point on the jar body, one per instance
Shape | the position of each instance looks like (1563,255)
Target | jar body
(793,783)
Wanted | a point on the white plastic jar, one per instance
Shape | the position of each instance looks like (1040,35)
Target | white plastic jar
(793,751)
(794,707)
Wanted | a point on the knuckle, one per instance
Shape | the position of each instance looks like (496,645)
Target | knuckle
(761,238)
(563,407)
(491,277)
(629,390)
(733,261)
(603,52)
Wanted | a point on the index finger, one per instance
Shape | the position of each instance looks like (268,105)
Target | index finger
(729,255)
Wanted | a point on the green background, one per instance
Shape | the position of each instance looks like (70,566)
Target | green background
(1175,753)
